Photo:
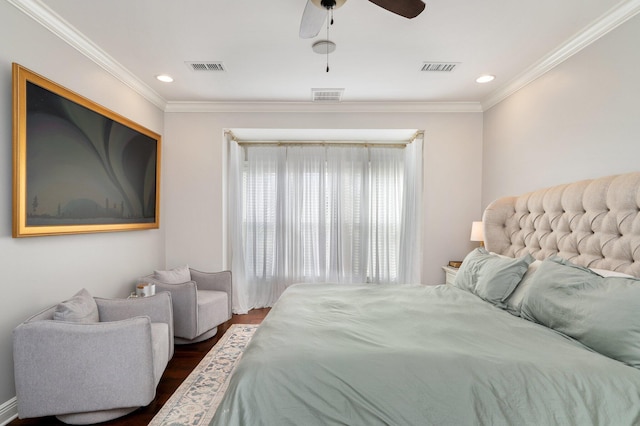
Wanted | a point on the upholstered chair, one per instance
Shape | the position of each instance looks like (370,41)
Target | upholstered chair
(88,360)
(201,300)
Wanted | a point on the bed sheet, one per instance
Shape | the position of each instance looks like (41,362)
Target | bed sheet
(332,354)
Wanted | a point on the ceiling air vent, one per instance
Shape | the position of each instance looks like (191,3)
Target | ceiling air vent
(327,95)
(439,66)
(206,66)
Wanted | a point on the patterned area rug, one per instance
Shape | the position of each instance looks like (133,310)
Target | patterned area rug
(195,401)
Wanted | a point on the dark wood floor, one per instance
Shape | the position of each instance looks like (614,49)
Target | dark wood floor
(184,360)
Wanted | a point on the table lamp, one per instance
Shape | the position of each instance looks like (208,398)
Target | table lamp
(477,232)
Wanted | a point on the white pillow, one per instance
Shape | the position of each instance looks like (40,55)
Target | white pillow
(606,273)
(178,275)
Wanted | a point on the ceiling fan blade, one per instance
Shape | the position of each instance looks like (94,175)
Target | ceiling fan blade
(407,8)
(313,18)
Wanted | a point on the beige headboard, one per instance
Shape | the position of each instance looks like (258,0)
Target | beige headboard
(593,223)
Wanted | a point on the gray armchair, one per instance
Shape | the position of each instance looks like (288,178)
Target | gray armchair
(201,301)
(93,366)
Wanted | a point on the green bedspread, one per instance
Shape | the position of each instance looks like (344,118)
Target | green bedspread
(415,355)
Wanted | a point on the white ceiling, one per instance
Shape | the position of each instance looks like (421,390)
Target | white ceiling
(378,57)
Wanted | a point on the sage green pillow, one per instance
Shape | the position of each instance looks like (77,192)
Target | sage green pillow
(490,276)
(602,313)
(513,302)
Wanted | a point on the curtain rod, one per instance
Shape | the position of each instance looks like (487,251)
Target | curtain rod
(324,143)
(385,144)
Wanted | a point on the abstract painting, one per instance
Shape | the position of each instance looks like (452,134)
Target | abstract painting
(79,167)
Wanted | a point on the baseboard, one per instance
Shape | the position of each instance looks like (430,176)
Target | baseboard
(8,411)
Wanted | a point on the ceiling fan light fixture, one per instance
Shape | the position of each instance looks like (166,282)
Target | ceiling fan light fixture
(328,4)
(323,47)
(485,78)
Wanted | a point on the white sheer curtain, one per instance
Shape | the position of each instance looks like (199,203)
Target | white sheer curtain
(240,293)
(385,221)
(411,232)
(345,214)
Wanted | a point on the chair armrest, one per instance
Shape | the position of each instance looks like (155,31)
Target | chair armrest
(57,362)
(184,297)
(220,281)
(158,308)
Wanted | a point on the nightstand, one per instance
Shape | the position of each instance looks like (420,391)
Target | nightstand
(449,274)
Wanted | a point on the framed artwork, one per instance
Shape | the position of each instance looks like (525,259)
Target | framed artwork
(77,166)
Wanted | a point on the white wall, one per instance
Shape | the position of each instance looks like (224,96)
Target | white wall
(194,170)
(40,271)
(580,120)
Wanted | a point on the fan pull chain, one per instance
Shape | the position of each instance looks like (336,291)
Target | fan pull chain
(329,11)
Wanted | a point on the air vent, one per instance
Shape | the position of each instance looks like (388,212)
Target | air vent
(327,95)
(439,66)
(206,66)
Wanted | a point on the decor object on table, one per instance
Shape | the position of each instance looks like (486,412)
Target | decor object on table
(89,360)
(477,233)
(145,290)
(89,169)
(196,400)
(201,300)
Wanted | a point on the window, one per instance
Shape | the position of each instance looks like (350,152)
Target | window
(322,214)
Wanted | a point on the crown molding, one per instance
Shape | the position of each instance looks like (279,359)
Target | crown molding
(609,21)
(46,17)
(57,25)
(316,107)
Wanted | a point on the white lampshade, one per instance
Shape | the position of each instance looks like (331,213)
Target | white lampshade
(477,231)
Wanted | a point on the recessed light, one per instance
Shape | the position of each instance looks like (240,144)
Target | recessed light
(485,78)
(164,78)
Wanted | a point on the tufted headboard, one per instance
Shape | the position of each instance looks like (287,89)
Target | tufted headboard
(593,223)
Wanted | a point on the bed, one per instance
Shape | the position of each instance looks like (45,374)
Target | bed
(540,328)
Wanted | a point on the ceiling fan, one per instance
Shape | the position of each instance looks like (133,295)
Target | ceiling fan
(315,12)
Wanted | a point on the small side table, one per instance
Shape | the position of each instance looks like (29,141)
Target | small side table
(449,274)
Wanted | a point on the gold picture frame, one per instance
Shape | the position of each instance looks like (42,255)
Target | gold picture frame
(77,166)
